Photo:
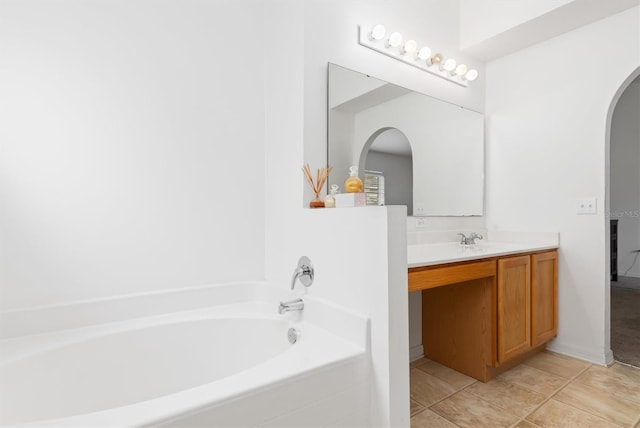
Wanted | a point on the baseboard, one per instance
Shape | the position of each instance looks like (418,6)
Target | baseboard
(608,355)
(622,283)
(604,359)
(416,352)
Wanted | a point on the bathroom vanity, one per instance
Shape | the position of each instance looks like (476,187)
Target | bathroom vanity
(485,307)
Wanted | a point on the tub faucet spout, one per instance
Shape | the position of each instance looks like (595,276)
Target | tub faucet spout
(291,305)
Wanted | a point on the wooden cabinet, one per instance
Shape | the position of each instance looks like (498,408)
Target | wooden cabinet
(527,303)
(544,297)
(514,307)
(483,317)
(458,320)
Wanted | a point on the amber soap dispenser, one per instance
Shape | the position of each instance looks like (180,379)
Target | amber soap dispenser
(353,184)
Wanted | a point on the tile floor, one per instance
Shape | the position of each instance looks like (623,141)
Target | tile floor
(548,390)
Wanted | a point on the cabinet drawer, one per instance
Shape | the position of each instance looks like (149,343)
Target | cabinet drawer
(429,277)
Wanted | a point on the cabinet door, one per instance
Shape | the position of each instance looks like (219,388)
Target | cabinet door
(514,307)
(544,296)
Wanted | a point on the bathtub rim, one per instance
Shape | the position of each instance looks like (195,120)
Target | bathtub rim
(33,320)
(331,351)
(345,324)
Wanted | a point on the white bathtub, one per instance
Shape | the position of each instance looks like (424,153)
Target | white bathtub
(224,365)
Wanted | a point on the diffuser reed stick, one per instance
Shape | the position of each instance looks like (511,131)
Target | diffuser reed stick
(321,177)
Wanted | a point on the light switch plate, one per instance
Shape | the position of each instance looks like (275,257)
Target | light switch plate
(586,206)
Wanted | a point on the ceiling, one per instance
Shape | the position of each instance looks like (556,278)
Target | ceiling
(569,16)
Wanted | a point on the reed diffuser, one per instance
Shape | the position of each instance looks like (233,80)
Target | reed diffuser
(318,184)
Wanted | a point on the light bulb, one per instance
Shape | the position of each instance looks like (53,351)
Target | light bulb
(449,64)
(424,53)
(409,47)
(395,40)
(471,75)
(461,69)
(435,60)
(377,32)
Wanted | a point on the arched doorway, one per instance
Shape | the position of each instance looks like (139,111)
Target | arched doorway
(387,159)
(622,297)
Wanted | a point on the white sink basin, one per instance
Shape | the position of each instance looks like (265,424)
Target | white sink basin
(491,245)
(449,252)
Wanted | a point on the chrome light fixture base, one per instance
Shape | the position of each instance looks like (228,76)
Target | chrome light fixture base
(397,52)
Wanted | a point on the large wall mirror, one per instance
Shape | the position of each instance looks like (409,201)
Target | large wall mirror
(411,149)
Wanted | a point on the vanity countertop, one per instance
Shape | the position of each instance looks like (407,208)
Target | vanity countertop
(451,252)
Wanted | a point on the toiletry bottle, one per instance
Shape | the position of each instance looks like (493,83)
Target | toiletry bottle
(353,184)
(330,199)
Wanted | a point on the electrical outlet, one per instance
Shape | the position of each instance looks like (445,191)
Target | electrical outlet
(418,210)
(586,206)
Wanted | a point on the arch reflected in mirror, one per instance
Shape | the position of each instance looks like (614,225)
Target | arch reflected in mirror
(388,153)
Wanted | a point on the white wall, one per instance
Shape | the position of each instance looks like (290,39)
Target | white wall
(132,147)
(625,178)
(546,148)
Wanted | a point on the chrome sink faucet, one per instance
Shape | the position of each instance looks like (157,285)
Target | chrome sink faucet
(471,239)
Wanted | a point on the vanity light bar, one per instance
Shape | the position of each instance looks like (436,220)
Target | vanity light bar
(409,52)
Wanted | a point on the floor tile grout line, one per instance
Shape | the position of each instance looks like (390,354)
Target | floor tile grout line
(592,414)
(626,381)
(549,397)
(467,386)
(577,408)
(552,395)
(449,395)
(443,416)
(444,380)
(442,399)
(464,389)
(495,404)
(436,413)
(524,420)
(568,380)
(589,412)
(416,414)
